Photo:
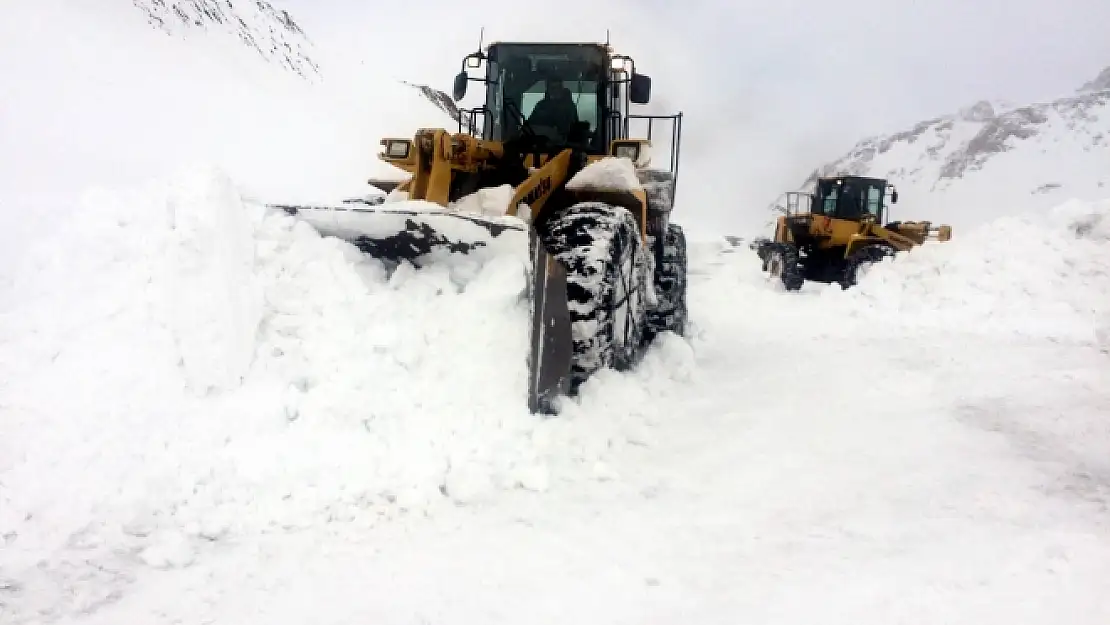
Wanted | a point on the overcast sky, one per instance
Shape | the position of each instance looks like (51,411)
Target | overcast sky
(770,89)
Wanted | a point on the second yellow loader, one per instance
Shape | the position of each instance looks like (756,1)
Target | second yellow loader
(830,234)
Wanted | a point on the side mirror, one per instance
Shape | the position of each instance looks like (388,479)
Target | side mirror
(460,86)
(894,197)
(639,90)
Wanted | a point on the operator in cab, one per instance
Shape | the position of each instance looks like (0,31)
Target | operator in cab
(556,109)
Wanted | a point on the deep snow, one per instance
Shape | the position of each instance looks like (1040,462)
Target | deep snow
(201,395)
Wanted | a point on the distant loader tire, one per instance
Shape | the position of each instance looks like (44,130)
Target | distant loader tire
(671,264)
(658,187)
(781,261)
(866,255)
(608,275)
(760,246)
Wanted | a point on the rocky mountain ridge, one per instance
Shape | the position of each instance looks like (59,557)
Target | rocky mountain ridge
(271,32)
(1023,155)
(443,102)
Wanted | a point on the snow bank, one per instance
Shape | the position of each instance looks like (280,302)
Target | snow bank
(1042,275)
(607,173)
(181,364)
(1037,275)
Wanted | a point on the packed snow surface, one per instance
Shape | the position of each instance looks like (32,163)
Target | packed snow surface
(212,413)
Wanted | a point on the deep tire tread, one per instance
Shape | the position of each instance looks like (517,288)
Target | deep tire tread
(792,276)
(608,276)
(672,262)
(868,254)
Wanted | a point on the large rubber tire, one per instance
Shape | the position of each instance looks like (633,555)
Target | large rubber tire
(659,188)
(760,246)
(866,255)
(671,265)
(781,260)
(608,276)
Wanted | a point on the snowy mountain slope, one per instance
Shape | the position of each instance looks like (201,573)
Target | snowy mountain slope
(101,97)
(196,389)
(1098,83)
(1012,158)
(256,23)
(445,103)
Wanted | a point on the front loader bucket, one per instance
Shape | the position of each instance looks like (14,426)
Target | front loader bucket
(400,232)
(550,345)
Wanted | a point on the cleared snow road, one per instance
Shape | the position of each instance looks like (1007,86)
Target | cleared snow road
(755,506)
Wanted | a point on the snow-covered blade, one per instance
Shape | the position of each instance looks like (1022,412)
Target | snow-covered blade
(413,231)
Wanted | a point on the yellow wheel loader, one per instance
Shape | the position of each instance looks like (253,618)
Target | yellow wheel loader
(608,266)
(829,234)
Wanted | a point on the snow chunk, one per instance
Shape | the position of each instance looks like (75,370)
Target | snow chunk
(981,111)
(396,195)
(214,299)
(609,173)
(492,201)
(468,483)
(1102,334)
(170,550)
(1086,220)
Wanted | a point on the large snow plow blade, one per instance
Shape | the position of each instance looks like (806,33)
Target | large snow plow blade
(550,347)
(413,234)
(420,235)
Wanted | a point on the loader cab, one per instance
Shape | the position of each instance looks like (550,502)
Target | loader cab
(568,94)
(853,198)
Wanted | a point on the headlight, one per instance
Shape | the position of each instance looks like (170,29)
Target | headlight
(630,151)
(398,148)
